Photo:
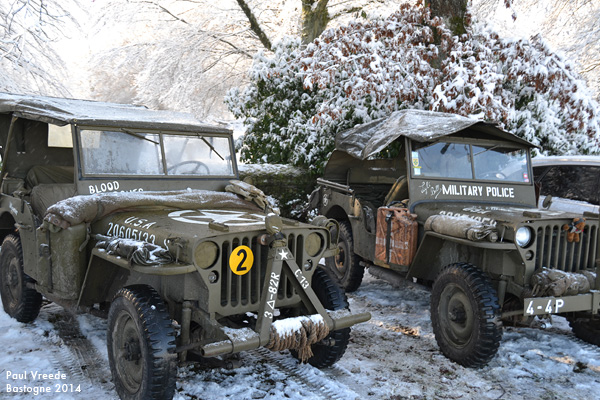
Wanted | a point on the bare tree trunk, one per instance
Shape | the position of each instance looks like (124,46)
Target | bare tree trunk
(315,18)
(254,25)
(453,13)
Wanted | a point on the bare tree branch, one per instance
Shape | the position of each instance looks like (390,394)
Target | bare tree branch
(254,25)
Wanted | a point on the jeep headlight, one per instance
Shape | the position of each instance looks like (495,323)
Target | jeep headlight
(206,254)
(313,244)
(523,236)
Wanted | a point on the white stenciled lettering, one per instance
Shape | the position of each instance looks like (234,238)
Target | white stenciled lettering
(477,191)
(107,187)
(301,278)
(559,304)
(139,222)
(462,190)
(125,232)
(478,218)
(494,191)
(104,187)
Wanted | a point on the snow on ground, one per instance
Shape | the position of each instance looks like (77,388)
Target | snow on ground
(393,356)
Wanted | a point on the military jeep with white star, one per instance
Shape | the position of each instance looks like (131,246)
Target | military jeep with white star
(137,215)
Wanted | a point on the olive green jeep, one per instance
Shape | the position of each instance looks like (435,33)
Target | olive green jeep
(451,201)
(136,215)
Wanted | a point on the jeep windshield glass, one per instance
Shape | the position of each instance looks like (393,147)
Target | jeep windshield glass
(139,153)
(466,161)
(500,164)
(197,155)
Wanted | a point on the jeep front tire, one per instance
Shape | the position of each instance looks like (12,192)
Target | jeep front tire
(586,328)
(332,297)
(465,315)
(141,344)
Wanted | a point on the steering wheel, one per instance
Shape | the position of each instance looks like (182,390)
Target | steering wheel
(196,167)
(494,175)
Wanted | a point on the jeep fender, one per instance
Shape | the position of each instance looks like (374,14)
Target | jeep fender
(17,216)
(364,240)
(436,251)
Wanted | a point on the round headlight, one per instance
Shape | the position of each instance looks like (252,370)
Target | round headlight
(523,236)
(313,244)
(206,254)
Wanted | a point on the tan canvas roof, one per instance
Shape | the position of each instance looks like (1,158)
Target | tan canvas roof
(365,140)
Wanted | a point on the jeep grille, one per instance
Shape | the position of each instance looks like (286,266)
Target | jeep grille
(243,293)
(555,252)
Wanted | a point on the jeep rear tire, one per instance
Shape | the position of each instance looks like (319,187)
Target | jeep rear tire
(141,344)
(332,297)
(346,265)
(465,315)
(20,302)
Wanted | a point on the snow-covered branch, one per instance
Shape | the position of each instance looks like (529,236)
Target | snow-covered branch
(299,98)
(28,29)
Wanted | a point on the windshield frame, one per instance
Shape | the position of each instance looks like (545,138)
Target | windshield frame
(135,132)
(471,143)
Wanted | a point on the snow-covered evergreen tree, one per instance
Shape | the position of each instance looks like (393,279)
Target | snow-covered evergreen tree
(300,97)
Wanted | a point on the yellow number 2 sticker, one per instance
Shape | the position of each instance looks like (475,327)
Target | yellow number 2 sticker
(241,260)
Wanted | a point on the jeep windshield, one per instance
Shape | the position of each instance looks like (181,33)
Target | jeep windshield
(458,160)
(134,152)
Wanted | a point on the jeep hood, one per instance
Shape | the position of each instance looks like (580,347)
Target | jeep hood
(88,209)
(185,226)
(488,214)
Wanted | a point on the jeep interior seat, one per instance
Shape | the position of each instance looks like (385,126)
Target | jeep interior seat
(46,194)
(49,184)
(375,176)
(41,174)
(398,192)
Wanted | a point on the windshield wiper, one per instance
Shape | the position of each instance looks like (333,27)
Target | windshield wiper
(139,136)
(483,151)
(211,147)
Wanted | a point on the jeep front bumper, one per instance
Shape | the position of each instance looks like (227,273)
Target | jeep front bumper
(556,305)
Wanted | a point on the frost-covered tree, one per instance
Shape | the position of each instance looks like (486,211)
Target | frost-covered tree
(529,89)
(186,54)
(171,54)
(28,29)
(572,26)
(300,97)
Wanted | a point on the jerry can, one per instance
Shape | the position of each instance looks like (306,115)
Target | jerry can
(396,241)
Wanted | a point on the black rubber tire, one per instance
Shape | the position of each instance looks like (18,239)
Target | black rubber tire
(586,329)
(346,265)
(19,301)
(465,315)
(141,344)
(333,298)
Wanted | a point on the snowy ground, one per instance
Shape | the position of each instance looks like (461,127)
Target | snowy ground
(394,356)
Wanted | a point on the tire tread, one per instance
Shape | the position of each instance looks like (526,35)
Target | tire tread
(28,307)
(354,276)
(490,330)
(333,298)
(159,335)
